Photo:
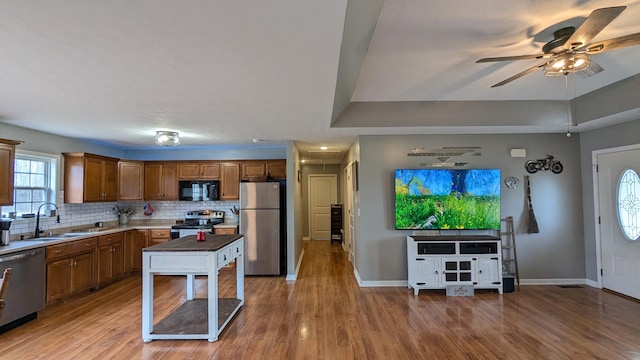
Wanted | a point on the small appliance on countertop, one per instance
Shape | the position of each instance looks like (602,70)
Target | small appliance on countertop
(197,220)
(5,234)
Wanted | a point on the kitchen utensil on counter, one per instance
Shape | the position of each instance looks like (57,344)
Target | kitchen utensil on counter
(5,234)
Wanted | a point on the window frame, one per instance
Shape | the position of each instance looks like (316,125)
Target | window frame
(52,162)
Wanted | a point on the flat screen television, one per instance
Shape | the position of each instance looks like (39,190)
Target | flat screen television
(447,199)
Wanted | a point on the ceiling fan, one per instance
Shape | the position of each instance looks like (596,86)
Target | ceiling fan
(570,51)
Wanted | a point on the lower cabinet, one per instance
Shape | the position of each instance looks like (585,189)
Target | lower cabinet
(158,236)
(110,258)
(437,262)
(134,242)
(70,268)
(225,230)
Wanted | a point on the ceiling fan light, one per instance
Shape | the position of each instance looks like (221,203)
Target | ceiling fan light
(167,138)
(558,64)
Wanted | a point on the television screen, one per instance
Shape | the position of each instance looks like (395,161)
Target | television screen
(447,199)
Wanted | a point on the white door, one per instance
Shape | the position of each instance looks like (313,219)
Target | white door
(620,256)
(348,211)
(323,191)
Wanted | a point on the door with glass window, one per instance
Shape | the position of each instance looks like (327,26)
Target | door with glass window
(619,211)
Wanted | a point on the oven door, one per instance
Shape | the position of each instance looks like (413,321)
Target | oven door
(187,232)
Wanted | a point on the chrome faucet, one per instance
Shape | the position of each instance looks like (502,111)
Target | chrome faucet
(37,232)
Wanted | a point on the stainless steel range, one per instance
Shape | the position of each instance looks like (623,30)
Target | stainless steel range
(197,220)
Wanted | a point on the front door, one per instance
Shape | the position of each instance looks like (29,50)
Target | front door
(620,255)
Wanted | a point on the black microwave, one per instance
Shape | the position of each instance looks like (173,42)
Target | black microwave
(199,190)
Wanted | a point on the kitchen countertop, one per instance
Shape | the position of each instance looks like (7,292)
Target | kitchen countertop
(189,243)
(27,244)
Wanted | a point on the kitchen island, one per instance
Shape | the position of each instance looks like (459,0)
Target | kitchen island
(196,318)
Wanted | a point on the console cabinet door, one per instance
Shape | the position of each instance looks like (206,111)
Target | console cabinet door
(488,271)
(428,271)
(458,270)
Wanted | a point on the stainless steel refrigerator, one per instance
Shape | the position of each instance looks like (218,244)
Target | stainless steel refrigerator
(260,225)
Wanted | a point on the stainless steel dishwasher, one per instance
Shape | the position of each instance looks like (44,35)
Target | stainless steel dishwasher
(25,293)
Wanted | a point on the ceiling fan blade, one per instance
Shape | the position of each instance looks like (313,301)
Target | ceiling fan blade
(615,43)
(521,74)
(593,69)
(511,58)
(597,20)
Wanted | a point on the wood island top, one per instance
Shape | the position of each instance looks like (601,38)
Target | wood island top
(189,243)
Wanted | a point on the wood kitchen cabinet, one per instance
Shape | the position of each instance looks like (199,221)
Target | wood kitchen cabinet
(134,242)
(130,180)
(198,171)
(110,258)
(225,230)
(252,168)
(272,169)
(276,169)
(230,181)
(90,178)
(158,236)
(160,181)
(70,268)
(7,160)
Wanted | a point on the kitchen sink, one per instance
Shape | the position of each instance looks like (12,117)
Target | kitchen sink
(91,230)
(55,237)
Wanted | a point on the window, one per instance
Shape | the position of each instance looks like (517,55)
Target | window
(629,204)
(35,177)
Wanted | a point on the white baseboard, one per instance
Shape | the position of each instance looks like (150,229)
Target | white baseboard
(295,275)
(384,283)
(553,281)
(594,284)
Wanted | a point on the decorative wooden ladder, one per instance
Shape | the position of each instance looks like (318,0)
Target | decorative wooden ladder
(509,257)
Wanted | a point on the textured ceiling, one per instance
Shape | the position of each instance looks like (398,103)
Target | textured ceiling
(225,73)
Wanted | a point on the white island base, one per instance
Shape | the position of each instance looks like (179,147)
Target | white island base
(196,318)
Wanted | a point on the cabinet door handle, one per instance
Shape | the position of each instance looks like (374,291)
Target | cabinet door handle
(58,251)
(436,271)
(225,258)
(479,271)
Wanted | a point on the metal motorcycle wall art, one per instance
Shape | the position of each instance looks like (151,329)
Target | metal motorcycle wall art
(548,163)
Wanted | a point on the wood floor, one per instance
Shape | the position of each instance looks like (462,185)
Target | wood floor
(325,315)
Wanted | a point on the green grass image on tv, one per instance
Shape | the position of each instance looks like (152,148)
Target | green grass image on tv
(447,199)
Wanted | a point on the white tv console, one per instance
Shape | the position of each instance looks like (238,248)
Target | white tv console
(437,261)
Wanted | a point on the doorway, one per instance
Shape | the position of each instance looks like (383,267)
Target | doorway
(323,191)
(619,256)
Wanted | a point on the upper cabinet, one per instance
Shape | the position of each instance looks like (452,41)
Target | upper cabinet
(7,156)
(272,169)
(198,170)
(90,178)
(130,180)
(160,181)
(276,169)
(230,181)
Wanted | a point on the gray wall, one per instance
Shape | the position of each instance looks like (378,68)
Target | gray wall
(557,252)
(609,137)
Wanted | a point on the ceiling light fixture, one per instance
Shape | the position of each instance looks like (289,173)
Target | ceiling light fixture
(167,138)
(567,63)
(323,148)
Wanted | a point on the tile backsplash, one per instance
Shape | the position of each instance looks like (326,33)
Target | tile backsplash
(76,215)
